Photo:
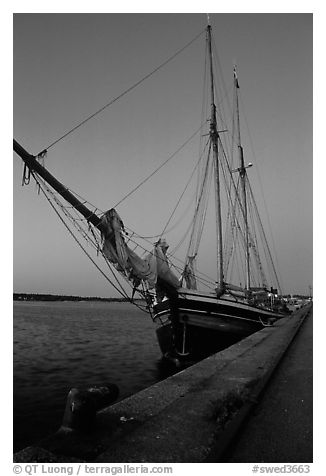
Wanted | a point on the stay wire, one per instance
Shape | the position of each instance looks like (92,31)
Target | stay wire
(123,93)
(121,291)
(69,230)
(183,192)
(158,168)
(260,185)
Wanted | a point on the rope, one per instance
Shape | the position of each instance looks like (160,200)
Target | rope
(199,214)
(263,323)
(121,291)
(159,235)
(178,268)
(201,209)
(159,168)
(122,94)
(182,194)
(261,188)
(26,175)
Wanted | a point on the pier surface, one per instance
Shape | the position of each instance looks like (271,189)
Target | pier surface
(280,428)
(249,403)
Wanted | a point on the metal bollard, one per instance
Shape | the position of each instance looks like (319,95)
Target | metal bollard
(82,405)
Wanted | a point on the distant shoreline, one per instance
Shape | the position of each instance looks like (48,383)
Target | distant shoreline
(58,297)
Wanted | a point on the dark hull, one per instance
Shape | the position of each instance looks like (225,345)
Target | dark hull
(194,325)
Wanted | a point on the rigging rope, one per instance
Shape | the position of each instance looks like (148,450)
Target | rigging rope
(121,291)
(95,243)
(261,189)
(183,192)
(171,255)
(264,239)
(201,208)
(235,214)
(261,186)
(123,93)
(158,168)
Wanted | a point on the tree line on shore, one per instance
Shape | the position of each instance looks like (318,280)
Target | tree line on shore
(57,297)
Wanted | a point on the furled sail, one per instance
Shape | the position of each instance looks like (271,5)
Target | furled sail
(163,269)
(149,268)
(189,273)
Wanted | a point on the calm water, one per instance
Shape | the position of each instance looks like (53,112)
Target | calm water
(60,345)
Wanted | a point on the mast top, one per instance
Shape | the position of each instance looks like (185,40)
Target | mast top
(208,20)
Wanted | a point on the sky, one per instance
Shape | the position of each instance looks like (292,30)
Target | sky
(67,66)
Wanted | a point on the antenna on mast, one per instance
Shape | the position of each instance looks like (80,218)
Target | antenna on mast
(208,20)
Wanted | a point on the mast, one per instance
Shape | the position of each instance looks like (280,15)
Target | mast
(35,166)
(242,171)
(214,140)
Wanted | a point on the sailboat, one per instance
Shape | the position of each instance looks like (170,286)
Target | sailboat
(195,315)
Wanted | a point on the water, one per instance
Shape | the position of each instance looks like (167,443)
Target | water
(60,345)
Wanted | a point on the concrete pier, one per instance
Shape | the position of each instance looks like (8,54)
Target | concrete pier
(193,416)
(280,427)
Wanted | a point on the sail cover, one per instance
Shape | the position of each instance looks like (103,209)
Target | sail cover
(126,261)
(189,273)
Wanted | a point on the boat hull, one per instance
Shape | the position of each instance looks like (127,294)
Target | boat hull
(194,324)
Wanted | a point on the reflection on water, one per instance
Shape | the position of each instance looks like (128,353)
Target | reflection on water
(60,345)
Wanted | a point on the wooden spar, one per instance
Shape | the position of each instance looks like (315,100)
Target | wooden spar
(35,166)
(242,170)
(214,138)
